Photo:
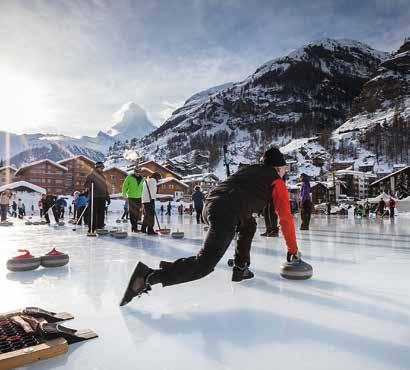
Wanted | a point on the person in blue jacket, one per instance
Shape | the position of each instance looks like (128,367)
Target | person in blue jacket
(81,203)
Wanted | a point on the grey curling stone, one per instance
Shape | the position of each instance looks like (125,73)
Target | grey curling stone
(177,234)
(296,271)
(124,221)
(36,223)
(120,234)
(164,231)
(23,264)
(102,231)
(54,259)
(60,223)
(6,223)
(43,223)
(118,221)
(206,228)
(28,223)
(113,231)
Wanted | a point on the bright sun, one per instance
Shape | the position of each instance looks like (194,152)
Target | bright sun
(23,102)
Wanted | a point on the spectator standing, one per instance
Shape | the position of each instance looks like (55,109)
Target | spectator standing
(132,189)
(198,198)
(306,202)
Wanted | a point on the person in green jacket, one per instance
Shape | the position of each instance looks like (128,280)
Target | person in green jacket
(132,190)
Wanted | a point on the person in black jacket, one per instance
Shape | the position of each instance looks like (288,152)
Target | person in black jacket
(228,209)
(198,199)
(50,202)
(271,220)
(101,196)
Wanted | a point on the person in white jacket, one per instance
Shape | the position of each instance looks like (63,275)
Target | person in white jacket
(149,194)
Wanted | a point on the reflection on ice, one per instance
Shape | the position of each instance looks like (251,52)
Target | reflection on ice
(353,314)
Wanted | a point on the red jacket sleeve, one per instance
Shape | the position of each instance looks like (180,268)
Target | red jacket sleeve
(280,197)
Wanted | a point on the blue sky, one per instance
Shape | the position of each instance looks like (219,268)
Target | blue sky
(69,65)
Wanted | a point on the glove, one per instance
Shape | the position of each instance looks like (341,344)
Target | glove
(294,257)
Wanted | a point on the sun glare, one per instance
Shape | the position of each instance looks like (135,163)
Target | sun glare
(23,103)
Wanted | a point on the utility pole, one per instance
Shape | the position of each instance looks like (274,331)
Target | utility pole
(226,162)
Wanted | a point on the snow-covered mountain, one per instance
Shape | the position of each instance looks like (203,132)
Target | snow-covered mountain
(297,96)
(131,121)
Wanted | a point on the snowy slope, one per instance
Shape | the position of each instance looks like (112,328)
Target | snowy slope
(291,97)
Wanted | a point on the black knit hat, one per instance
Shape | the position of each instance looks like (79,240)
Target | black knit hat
(99,165)
(273,157)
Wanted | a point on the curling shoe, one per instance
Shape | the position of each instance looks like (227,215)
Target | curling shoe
(241,273)
(138,283)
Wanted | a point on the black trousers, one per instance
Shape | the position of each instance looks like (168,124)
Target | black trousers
(199,217)
(55,214)
(223,220)
(134,205)
(271,218)
(149,214)
(4,209)
(98,214)
(305,213)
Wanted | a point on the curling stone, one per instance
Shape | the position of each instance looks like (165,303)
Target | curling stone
(177,234)
(124,221)
(101,232)
(206,228)
(118,221)
(60,223)
(43,222)
(6,223)
(24,262)
(120,234)
(231,262)
(28,223)
(164,231)
(114,230)
(36,223)
(54,258)
(298,270)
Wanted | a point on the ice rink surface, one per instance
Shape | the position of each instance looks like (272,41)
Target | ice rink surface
(353,314)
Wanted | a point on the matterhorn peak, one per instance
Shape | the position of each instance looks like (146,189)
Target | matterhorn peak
(130,121)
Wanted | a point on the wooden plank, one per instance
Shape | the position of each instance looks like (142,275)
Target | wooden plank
(32,354)
(62,316)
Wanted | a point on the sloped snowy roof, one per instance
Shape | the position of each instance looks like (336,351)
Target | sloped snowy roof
(18,184)
(355,173)
(42,161)
(6,167)
(115,168)
(392,174)
(76,157)
(199,177)
(170,179)
(160,165)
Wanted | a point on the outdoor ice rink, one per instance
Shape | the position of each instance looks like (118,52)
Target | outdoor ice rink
(354,314)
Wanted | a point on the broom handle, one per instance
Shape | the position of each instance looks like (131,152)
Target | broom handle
(82,214)
(155,212)
(92,206)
